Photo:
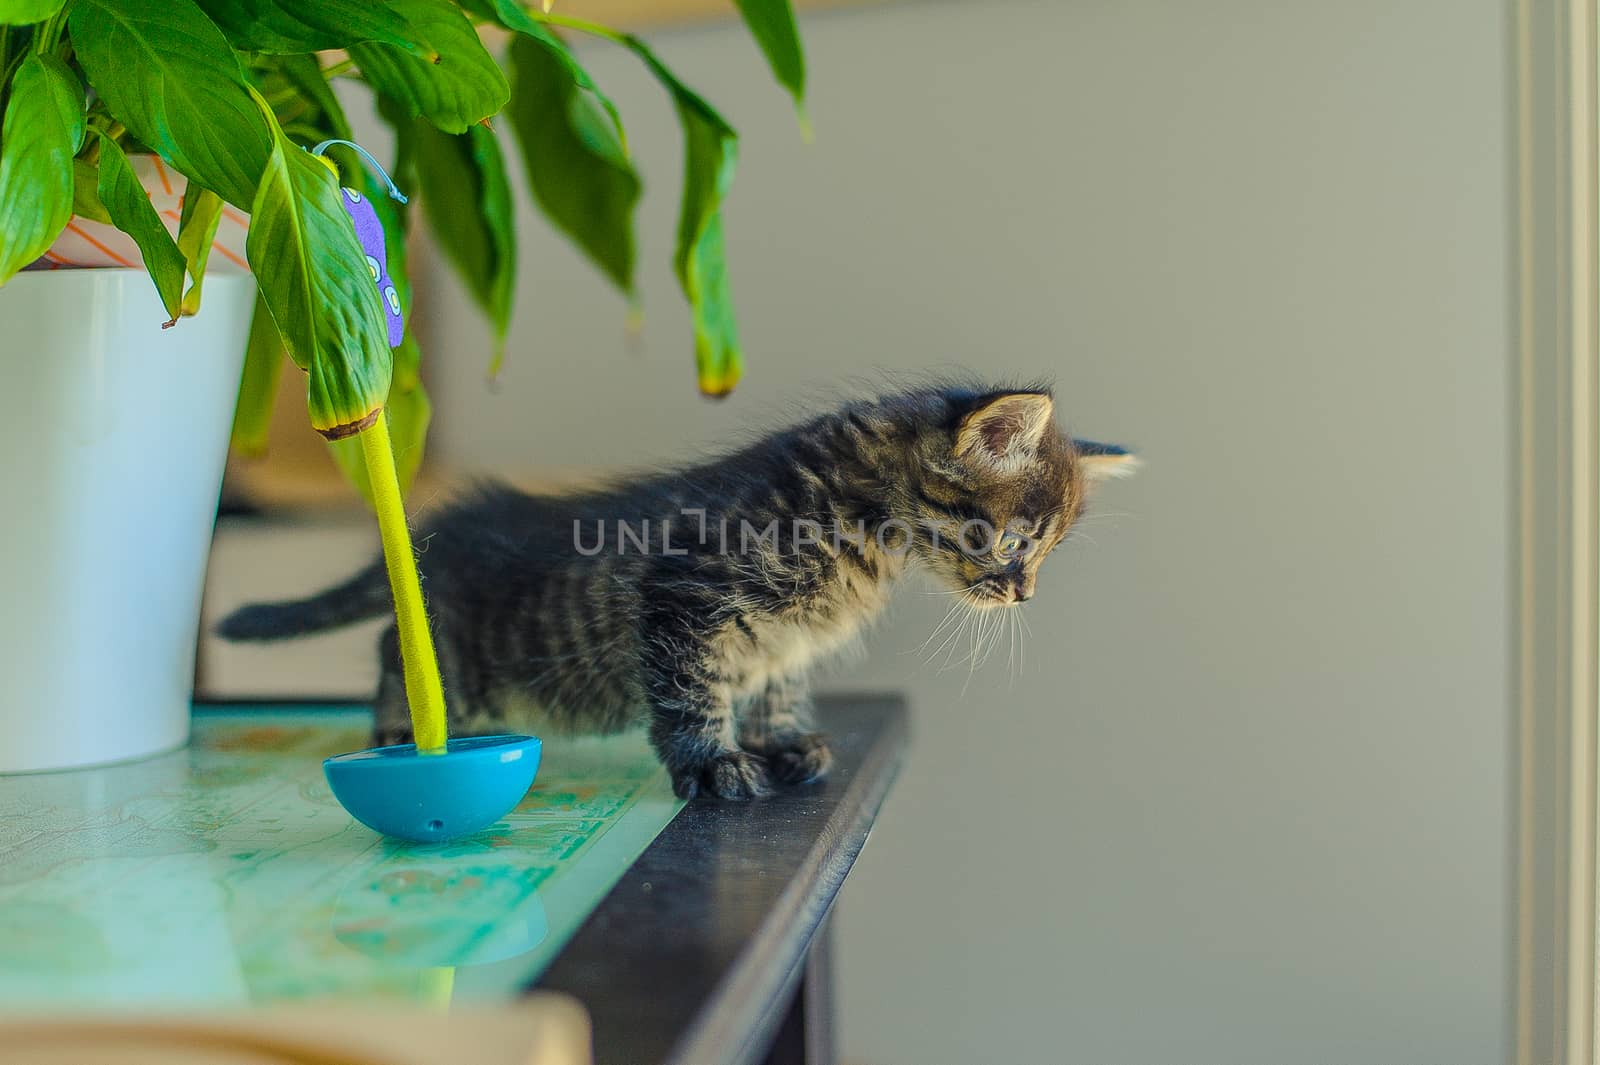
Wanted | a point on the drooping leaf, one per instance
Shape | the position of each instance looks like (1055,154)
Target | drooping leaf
(197,229)
(42,131)
(408,408)
(577,168)
(313,276)
(771,23)
(513,16)
(284,26)
(131,211)
(169,76)
(467,199)
(86,192)
(719,362)
(393,216)
(463,88)
(23,12)
(710,151)
(409,414)
(258,386)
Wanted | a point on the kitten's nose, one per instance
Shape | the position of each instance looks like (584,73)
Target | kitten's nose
(1021,593)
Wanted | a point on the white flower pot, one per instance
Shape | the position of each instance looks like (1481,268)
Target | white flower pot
(113,434)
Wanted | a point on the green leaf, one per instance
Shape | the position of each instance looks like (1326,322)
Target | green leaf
(169,76)
(710,154)
(258,386)
(197,229)
(463,88)
(407,406)
(131,211)
(313,276)
(468,202)
(771,23)
(703,273)
(306,75)
(42,131)
(86,192)
(24,12)
(577,168)
(512,15)
(409,414)
(284,26)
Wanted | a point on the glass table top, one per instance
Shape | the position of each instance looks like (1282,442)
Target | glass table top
(226,873)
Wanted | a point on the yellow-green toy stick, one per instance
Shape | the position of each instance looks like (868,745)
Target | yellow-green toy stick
(424,689)
(438,985)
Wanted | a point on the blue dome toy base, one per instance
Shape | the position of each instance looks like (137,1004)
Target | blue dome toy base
(429,798)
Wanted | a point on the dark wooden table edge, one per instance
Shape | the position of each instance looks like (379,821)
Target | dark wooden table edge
(756,990)
(736,1020)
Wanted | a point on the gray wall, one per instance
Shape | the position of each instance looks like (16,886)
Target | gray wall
(1247,799)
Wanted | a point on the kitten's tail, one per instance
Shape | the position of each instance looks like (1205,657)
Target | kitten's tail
(366,595)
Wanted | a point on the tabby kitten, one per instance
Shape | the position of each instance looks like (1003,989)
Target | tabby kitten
(698,600)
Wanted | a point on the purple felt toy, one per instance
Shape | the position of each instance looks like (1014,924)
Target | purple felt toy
(370,232)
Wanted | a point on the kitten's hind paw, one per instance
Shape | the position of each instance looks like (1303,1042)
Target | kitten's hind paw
(804,760)
(734,775)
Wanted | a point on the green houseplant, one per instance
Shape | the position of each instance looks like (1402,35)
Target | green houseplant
(229,93)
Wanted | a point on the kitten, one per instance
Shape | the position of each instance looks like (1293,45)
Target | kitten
(698,600)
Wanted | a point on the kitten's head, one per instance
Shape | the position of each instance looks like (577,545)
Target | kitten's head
(1001,485)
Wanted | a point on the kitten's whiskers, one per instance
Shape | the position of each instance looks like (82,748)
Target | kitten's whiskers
(937,629)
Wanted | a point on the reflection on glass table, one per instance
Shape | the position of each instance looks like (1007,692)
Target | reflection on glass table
(225,874)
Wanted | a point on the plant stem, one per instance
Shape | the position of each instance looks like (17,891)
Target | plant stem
(584,26)
(424,690)
(49,35)
(438,984)
(626,40)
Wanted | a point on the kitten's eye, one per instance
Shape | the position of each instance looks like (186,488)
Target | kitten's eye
(1012,544)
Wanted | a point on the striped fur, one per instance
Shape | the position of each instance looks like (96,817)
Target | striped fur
(709,632)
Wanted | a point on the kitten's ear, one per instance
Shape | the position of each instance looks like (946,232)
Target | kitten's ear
(1101,462)
(1005,432)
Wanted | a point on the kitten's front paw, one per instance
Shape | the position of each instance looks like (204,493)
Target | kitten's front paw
(802,760)
(734,775)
